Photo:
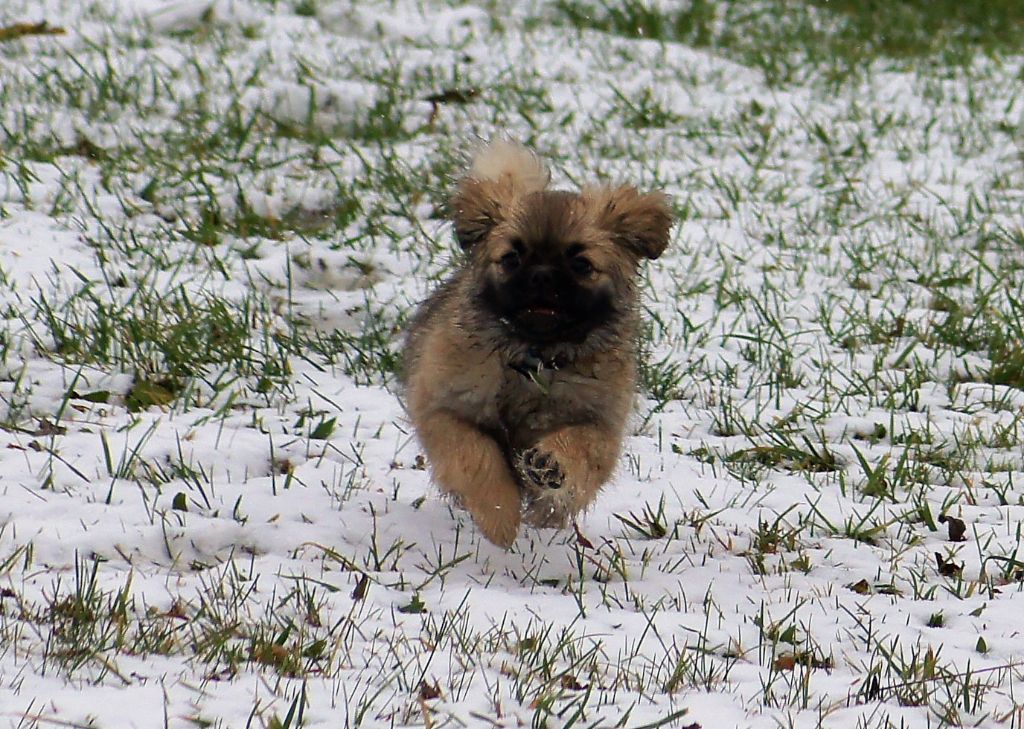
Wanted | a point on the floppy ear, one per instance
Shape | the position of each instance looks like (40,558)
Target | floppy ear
(501,172)
(477,206)
(638,221)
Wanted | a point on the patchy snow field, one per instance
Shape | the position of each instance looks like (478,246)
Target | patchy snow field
(215,217)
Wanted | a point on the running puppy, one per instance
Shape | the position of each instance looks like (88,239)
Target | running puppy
(520,370)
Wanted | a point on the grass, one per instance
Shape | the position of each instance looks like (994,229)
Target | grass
(795,41)
(167,341)
(214,235)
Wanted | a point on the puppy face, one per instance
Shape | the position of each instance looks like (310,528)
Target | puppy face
(544,272)
(555,265)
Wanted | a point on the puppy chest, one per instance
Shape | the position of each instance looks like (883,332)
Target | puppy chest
(523,405)
(532,404)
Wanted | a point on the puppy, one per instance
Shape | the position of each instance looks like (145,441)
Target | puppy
(520,370)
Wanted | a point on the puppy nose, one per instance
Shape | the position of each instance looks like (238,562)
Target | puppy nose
(542,277)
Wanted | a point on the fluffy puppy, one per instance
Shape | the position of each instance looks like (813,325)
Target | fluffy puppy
(520,370)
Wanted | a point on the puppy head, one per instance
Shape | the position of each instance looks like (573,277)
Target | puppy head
(502,172)
(553,265)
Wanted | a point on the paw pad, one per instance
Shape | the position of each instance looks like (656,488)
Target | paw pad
(538,470)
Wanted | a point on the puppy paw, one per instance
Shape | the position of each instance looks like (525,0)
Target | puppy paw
(499,528)
(550,512)
(538,471)
(496,513)
(498,521)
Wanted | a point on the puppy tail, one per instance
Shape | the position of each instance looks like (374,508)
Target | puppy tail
(502,159)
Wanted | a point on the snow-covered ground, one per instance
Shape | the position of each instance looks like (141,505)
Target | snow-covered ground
(215,217)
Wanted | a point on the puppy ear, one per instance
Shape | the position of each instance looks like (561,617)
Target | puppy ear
(638,221)
(501,172)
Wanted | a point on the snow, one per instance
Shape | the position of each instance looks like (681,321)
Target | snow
(229,527)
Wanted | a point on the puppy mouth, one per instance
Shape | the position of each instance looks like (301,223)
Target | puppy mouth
(539,318)
(540,310)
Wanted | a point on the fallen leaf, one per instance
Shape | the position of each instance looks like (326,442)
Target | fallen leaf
(861,587)
(956,527)
(453,96)
(429,692)
(786,662)
(360,590)
(177,611)
(100,396)
(48,428)
(145,394)
(580,539)
(414,606)
(948,568)
(569,682)
(19,30)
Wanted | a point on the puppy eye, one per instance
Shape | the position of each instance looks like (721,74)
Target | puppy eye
(510,261)
(580,266)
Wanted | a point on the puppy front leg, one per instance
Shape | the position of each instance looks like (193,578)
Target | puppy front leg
(469,464)
(564,470)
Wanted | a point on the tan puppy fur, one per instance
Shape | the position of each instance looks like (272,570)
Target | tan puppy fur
(520,370)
